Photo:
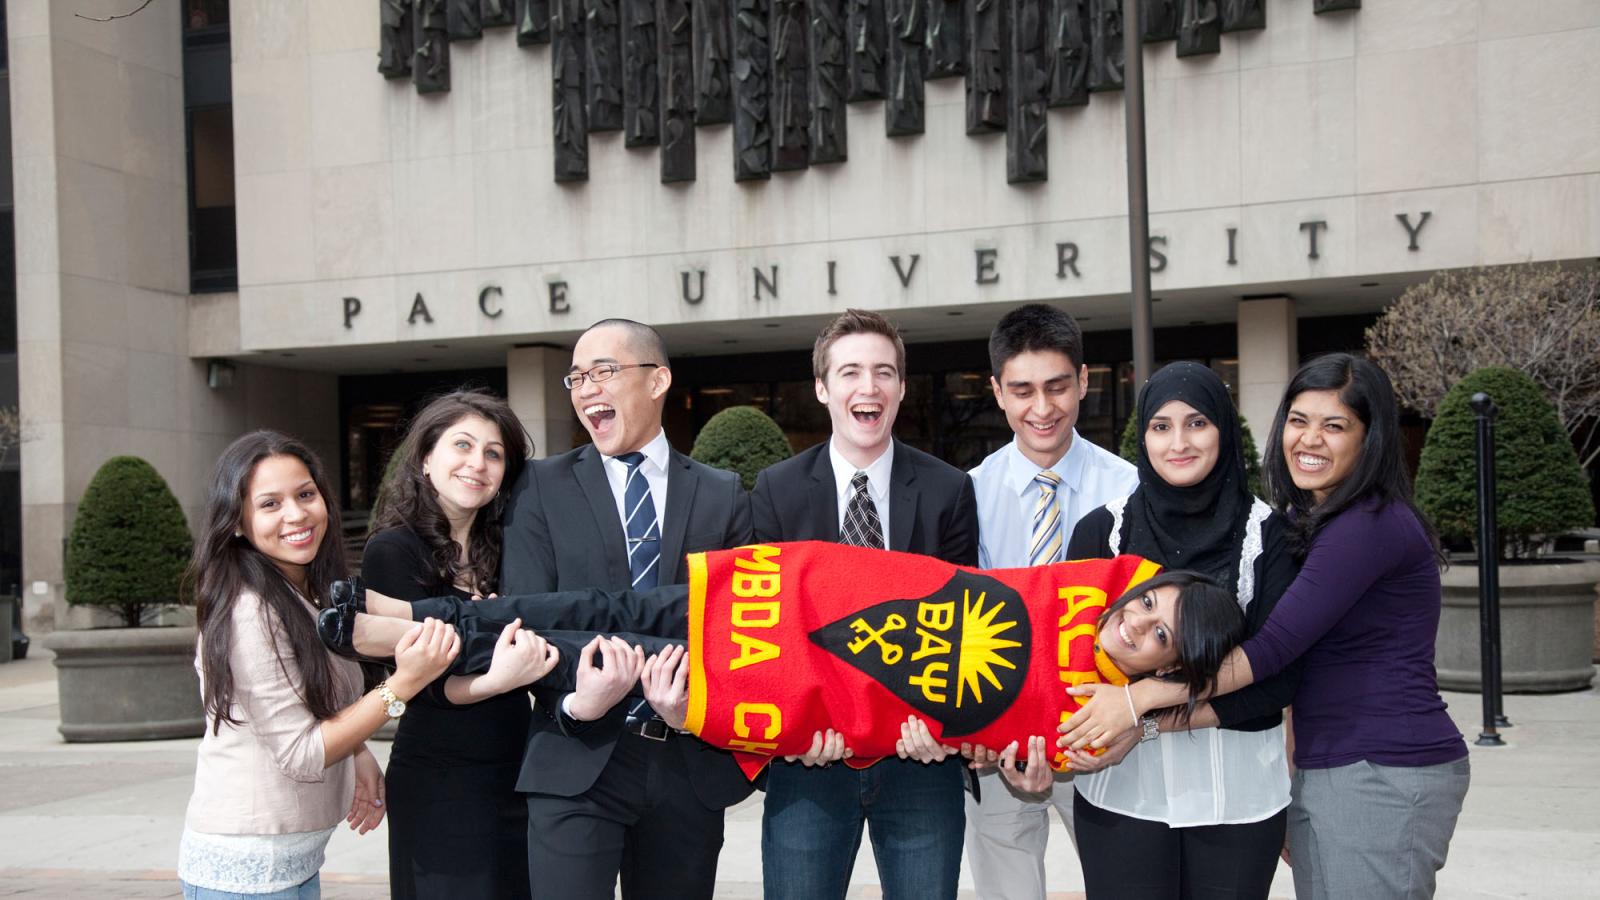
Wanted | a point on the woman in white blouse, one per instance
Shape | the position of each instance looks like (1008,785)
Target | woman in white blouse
(283,758)
(1191,813)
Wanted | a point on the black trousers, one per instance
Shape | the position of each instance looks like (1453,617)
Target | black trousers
(655,619)
(1125,858)
(641,819)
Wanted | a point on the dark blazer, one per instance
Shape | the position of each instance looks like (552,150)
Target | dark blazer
(932,507)
(562,532)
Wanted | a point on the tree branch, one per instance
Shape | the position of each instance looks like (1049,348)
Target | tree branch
(121,16)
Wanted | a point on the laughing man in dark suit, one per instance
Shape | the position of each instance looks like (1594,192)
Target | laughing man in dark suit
(866,488)
(612,790)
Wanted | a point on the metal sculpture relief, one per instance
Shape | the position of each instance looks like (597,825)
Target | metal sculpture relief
(602,40)
(1243,15)
(430,58)
(533,22)
(907,32)
(1069,52)
(496,13)
(864,23)
(947,38)
(987,43)
(828,63)
(752,129)
(1105,45)
(641,94)
(464,21)
(782,71)
(791,103)
(569,115)
(394,38)
(1027,158)
(713,61)
(677,90)
(1159,19)
(1200,29)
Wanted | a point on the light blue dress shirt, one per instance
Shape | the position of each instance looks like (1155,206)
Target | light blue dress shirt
(1007,495)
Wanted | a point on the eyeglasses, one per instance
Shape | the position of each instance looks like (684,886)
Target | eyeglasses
(604,372)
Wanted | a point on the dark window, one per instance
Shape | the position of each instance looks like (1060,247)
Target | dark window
(8,289)
(208,120)
(213,245)
(201,16)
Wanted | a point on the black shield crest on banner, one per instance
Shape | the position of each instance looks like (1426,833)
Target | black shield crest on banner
(959,655)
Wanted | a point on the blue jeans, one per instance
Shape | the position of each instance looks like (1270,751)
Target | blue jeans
(812,820)
(310,889)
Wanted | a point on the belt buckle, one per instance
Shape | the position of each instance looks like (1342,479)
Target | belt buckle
(654,729)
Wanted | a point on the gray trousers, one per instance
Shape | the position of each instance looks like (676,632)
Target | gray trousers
(1374,832)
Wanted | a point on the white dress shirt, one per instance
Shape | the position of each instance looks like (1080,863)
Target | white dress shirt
(657,453)
(1208,776)
(1007,496)
(878,474)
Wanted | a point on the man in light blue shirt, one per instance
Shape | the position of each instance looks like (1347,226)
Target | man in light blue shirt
(1030,494)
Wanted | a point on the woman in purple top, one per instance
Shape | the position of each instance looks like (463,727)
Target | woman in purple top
(1380,769)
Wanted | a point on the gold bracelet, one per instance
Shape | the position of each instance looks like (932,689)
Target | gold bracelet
(1129,691)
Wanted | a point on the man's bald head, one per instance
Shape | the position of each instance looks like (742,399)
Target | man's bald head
(643,340)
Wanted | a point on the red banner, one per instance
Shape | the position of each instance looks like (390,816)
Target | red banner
(789,639)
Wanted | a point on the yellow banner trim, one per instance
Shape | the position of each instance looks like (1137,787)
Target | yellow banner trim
(696,719)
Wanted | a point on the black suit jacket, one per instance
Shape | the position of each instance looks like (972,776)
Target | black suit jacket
(932,507)
(562,533)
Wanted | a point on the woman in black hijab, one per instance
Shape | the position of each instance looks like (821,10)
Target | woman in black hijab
(1199,814)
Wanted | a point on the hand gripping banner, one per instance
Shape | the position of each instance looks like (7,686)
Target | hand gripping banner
(789,639)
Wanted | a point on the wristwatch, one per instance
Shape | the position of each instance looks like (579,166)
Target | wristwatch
(393,706)
(1151,728)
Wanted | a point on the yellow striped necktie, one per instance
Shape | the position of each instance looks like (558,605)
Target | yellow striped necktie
(1046,544)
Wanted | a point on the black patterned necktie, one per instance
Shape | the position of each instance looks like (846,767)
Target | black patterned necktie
(861,525)
(644,548)
(639,521)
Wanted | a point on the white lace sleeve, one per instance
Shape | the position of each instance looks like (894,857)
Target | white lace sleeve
(1116,508)
(1251,551)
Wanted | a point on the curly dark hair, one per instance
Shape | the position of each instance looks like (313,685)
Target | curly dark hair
(408,498)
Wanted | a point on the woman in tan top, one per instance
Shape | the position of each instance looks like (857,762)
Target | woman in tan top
(284,758)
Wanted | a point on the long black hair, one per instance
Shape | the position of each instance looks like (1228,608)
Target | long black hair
(410,499)
(1381,470)
(226,565)
(1209,624)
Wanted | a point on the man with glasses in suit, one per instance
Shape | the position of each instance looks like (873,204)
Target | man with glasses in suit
(612,790)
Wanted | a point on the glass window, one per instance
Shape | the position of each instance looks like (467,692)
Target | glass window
(202,15)
(213,245)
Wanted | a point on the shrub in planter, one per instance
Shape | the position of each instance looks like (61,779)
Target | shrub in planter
(1546,605)
(1540,490)
(1129,450)
(743,440)
(129,543)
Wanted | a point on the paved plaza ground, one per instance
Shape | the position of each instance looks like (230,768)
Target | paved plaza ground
(103,820)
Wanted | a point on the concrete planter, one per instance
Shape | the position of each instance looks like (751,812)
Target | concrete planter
(1546,625)
(127,684)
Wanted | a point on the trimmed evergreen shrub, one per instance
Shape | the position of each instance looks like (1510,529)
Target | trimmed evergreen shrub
(1129,450)
(743,440)
(129,542)
(1540,490)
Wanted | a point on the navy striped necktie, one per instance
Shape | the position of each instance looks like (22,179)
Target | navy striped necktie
(639,521)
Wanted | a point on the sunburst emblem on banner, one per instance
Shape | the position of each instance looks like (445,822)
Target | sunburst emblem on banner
(958,655)
(982,645)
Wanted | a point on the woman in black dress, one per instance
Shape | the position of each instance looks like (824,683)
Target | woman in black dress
(457,828)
